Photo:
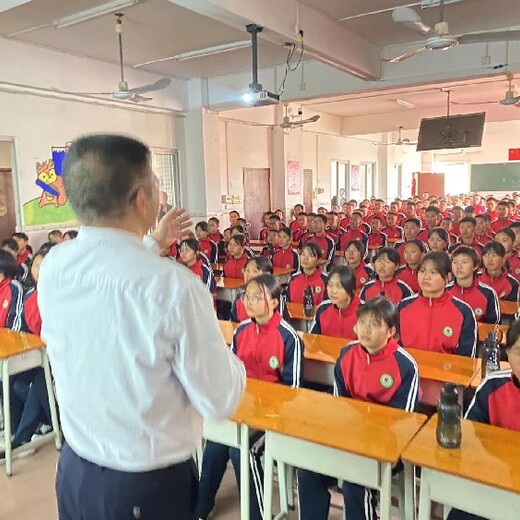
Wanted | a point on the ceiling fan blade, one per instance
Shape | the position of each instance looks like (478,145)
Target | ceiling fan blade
(139,99)
(407,16)
(152,87)
(485,37)
(407,55)
(312,119)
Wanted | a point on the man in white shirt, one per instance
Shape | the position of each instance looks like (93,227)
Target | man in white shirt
(134,343)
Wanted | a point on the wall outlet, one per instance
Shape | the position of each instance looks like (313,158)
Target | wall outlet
(226,199)
(236,199)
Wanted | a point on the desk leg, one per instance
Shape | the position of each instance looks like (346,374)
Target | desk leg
(244,472)
(425,503)
(52,402)
(385,502)
(268,479)
(7,417)
(283,470)
(409,492)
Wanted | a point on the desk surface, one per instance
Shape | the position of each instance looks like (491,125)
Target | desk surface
(296,312)
(498,330)
(14,343)
(345,424)
(508,308)
(229,283)
(488,454)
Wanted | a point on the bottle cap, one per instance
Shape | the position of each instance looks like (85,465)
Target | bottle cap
(450,394)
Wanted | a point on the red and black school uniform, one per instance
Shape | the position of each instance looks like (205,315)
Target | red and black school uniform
(475,245)
(11,304)
(395,290)
(455,229)
(239,313)
(514,266)
(504,285)
(173,252)
(423,235)
(364,274)
(352,234)
(300,234)
(299,281)
(234,267)
(499,224)
(294,225)
(484,239)
(210,249)
(390,377)
(325,243)
(205,273)
(393,233)
(409,276)
(286,258)
(25,257)
(445,324)
(482,299)
(400,249)
(271,352)
(365,227)
(269,250)
(334,233)
(263,233)
(380,215)
(216,237)
(377,240)
(344,222)
(332,321)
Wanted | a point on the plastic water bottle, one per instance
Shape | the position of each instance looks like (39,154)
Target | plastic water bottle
(308,302)
(449,432)
(490,356)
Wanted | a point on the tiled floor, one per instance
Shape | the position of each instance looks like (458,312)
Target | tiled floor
(29,493)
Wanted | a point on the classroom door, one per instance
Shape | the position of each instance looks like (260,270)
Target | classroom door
(431,183)
(7,209)
(307,190)
(257,197)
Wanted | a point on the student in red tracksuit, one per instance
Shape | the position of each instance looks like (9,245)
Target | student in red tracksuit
(285,256)
(320,238)
(446,224)
(294,225)
(310,274)
(467,227)
(411,229)
(190,256)
(374,369)
(337,315)
(386,283)
(24,250)
(434,319)
(433,219)
(497,400)
(354,256)
(214,233)
(303,227)
(234,266)
(265,221)
(394,232)
(502,220)
(272,243)
(495,274)
(482,299)
(207,247)
(414,250)
(271,350)
(11,293)
(438,240)
(333,230)
(353,232)
(507,238)
(376,239)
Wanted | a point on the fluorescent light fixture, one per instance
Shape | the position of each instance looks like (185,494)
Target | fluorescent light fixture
(5,5)
(95,12)
(200,53)
(405,104)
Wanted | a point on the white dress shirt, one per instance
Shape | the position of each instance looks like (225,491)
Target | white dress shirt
(136,351)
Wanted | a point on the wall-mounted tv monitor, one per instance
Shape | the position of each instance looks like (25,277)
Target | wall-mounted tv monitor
(460,131)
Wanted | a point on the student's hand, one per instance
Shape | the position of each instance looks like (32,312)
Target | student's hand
(171,227)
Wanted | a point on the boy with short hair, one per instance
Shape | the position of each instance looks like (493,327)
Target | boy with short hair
(432,219)
(482,225)
(495,274)
(55,236)
(393,232)
(503,220)
(353,232)
(411,229)
(214,233)
(24,251)
(319,237)
(285,256)
(303,227)
(446,224)
(376,239)
(467,227)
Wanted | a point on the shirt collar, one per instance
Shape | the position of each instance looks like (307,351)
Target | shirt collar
(107,234)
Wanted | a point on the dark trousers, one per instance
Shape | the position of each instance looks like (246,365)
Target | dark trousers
(314,498)
(87,491)
(214,462)
(456,514)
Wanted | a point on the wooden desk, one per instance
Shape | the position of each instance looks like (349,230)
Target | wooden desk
(475,382)
(300,321)
(508,308)
(282,274)
(227,288)
(299,421)
(261,243)
(499,331)
(482,477)
(20,351)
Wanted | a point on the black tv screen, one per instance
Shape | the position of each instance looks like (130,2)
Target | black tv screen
(460,131)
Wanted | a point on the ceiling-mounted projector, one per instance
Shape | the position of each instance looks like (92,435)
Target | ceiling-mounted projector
(260,98)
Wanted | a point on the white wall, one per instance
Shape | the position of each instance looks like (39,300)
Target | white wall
(5,154)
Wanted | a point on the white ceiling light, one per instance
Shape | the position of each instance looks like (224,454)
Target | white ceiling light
(95,12)
(200,53)
(5,5)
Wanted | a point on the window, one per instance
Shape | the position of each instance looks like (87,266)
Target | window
(367,179)
(166,167)
(339,172)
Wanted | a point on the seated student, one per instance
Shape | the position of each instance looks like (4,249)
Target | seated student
(274,222)
(354,256)
(438,240)
(11,293)
(207,246)
(310,274)
(353,232)
(234,266)
(320,238)
(374,369)
(376,239)
(245,226)
(456,213)
(285,256)
(393,232)
(337,315)
(495,274)
(23,274)
(482,233)
(386,262)
(446,224)
(271,350)
(432,219)
(414,250)
(233,217)
(333,229)
(190,256)
(364,225)
(514,260)
(222,246)
(303,227)
(496,401)
(213,228)
(507,238)
(294,225)
(70,235)
(55,237)
(467,287)
(265,221)
(272,241)
(467,227)
(434,319)
(24,252)
(239,230)
(411,229)
(503,219)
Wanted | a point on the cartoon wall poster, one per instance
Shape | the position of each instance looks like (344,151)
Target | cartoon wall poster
(51,207)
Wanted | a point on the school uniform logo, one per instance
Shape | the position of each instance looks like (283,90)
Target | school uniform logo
(517,270)
(288,266)
(273,362)
(447,331)
(386,381)
(478,311)
(317,290)
(363,279)
(5,304)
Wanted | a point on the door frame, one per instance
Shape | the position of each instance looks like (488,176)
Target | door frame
(18,205)
(244,168)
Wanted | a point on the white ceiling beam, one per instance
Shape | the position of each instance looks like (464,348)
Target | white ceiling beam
(324,38)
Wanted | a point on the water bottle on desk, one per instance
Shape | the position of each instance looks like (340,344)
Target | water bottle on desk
(449,431)
(308,302)
(490,356)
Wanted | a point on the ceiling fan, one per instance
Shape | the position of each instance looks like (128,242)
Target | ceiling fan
(510,98)
(288,122)
(400,140)
(439,38)
(123,92)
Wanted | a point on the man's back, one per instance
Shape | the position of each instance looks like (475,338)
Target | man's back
(129,336)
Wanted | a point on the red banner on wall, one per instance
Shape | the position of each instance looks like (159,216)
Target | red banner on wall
(514,154)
